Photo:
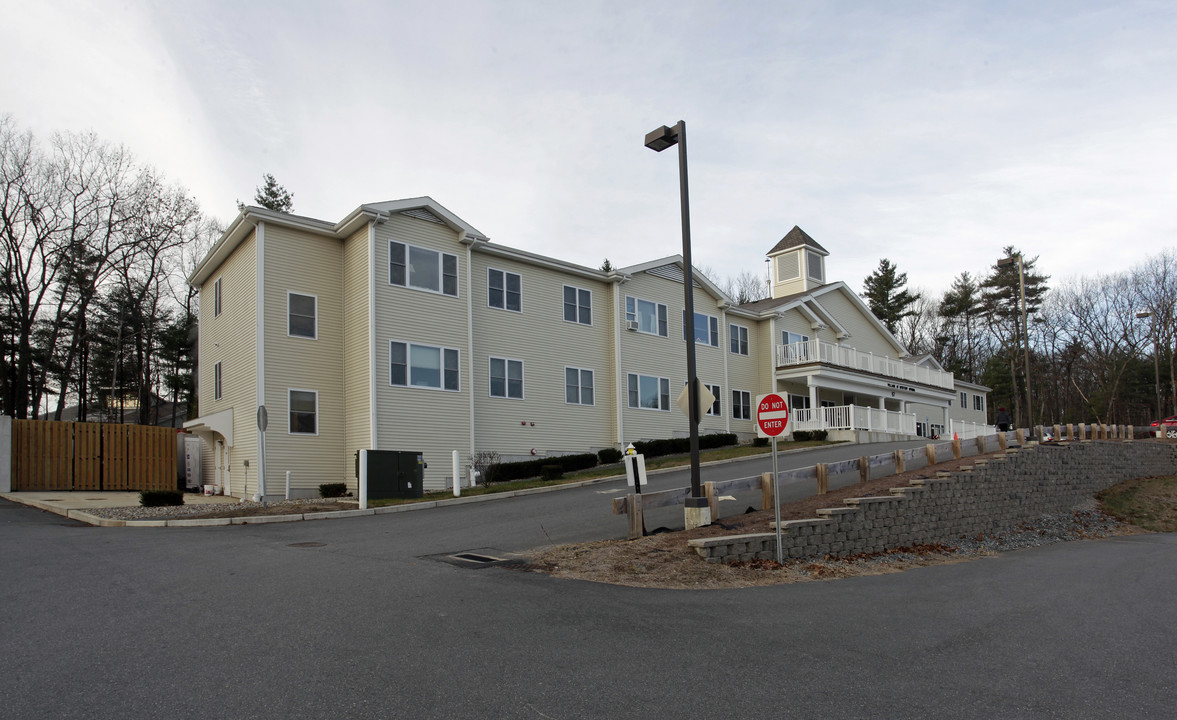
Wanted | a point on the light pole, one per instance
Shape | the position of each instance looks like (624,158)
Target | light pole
(1156,358)
(1005,262)
(696,511)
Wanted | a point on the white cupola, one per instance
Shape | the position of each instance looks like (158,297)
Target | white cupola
(796,264)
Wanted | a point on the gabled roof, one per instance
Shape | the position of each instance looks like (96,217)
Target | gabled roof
(796,238)
(250,216)
(676,261)
(771,306)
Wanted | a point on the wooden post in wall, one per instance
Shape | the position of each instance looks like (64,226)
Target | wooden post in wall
(956,448)
(1058,432)
(1070,431)
(766,491)
(712,501)
(1002,442)
(1020,436)
(863,469)
(1130,433)
(636,524)
(899,462)
(930,453)
(823,479)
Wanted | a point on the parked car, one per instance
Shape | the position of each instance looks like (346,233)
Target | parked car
(1169,425)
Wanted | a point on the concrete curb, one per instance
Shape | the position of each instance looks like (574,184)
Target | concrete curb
(83,516)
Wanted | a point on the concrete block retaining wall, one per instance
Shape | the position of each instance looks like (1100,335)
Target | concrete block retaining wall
(1016,487)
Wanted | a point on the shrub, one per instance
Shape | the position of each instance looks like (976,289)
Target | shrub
(759,442)
(505,472)
(483,461)
(804,435)
(673,446)
(332,490)
(609,455)
(159,498)
(551,472)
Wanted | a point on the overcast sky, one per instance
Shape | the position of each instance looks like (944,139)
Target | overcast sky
(930,133)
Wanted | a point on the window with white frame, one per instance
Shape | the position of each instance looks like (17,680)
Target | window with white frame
(714,408)
(649,392)
(504,290)
(739,339)
(650,316)
(791,338)
(578,386)
(705,329)
(964,401)
(978,402)
(506,378)
(795,348)
(302,315)
(217,381)
(578,305)
(741,405)
(422,269)
(422,366)
(217,298)
(798,402)
(304,411)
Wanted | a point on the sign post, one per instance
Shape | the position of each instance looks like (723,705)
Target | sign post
(263,419)
(772,417)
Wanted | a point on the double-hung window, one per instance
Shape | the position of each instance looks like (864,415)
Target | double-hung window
(705,329)
(741,405)
(506,378)
(795,348)
(964,401)
(217,298)
(304,411)
(714,408)
(504,290)
(651,393)
(301,315)
(422,269)
(649,316)
(217,381)
(739,339)
(423,366)
(978,402)
(578,386)
(578,305)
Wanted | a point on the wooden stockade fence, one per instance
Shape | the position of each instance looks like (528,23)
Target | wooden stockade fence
(48,455)
(634,505)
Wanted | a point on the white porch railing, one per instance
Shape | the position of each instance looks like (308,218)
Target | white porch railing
(969,430)
(852,417)
(830,354)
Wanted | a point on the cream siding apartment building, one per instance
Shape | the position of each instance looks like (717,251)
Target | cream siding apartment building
(402,327)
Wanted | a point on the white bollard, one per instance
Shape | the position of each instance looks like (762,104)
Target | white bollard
(287,484)
(363,480)
(457,476)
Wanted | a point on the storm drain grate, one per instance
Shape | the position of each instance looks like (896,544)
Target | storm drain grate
(475,557)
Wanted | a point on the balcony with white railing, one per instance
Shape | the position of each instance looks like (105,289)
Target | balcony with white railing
(852,417)
(826,353)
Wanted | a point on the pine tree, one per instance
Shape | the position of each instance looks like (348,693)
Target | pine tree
(272,196)
(886,295)
(960,307)
(607,266)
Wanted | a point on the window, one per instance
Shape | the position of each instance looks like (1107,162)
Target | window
(815,269)
(422,269)
(578,386)
(714,409)
(795,350)
(798,402)
(739,339)
(978,402)
(651,393)
(741,405)
(301,314)
(506,378)
(964,401)
(578,305)
(706,329)
(217,298)
(304,411)
(423,366)
(504,290)
(650,316)
(217,381)
(789,338)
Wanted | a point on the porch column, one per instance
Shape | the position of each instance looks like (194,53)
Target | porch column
(814,405)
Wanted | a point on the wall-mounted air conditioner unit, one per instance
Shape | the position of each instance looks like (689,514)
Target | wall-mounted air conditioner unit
(631,324)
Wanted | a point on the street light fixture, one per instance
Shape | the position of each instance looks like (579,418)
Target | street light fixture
(1156,357)
(1006,262)
(696,510)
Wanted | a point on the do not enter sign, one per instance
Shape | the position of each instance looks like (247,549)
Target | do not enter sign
(772,415)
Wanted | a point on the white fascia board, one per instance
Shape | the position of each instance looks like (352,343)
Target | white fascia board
(828,317)
(542,261)
(957,382)
(395,206)
(699,277)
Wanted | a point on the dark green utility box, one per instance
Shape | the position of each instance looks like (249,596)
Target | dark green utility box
(395,474)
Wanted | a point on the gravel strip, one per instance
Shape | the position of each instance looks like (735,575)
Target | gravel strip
(170,512)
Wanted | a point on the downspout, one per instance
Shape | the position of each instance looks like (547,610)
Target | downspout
(260,350)
(373,414)
(470,341)
(622,386)
(726,377)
